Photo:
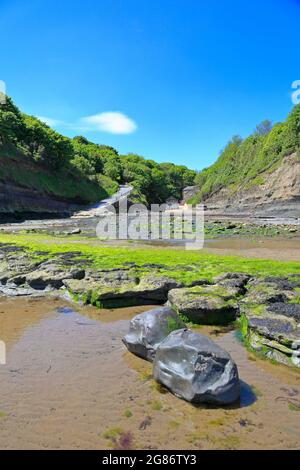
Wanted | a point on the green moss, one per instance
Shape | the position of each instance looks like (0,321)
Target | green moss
(156,405)
(243,324)
(113,433)
(217,422)
(173,324)
(174,424)
(256,391)
(294,407)
(253,309)
(204,265)
(184,318)
(127,413)
(157,387)
(145,376)
(229,442)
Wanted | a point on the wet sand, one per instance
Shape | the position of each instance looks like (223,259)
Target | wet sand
(277,249)
(70,383)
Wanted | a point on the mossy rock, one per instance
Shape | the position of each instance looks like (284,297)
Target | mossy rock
(120,288)
(209,305)
(274,335)
(262,293)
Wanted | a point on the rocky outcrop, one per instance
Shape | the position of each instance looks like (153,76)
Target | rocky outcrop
(147,330)
(208,305)
(270,318)
(120,287)
(268,291)
(23,274)
(16,200)
(277,195)
(273,331)
(194,368)
(189,192)
(268,309)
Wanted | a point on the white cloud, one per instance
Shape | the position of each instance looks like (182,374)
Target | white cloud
(113,122)
(49,121)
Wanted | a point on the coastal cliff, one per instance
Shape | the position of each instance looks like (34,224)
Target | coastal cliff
(277,195)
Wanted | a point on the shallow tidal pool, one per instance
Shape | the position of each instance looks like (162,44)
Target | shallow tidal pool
(69,383)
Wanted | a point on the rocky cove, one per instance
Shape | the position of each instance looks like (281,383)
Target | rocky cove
(149,228)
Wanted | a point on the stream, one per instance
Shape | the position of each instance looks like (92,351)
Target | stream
(69,383)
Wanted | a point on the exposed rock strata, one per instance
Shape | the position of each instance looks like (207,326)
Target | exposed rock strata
(277,196)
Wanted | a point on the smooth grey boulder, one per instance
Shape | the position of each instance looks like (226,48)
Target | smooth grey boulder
(147,330)
(194,368)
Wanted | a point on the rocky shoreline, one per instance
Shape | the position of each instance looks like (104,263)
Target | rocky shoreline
(267,309)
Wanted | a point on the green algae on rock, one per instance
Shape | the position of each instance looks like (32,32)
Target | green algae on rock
(203,288)
(207,305)
(272,333)
(110,289)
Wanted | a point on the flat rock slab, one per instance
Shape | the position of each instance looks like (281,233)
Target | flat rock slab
(209,305)
(236,280)
(194,368)
(289,310)
(260,292)
(148,329)
(121,286)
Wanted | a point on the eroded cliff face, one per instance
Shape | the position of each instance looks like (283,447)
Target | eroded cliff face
(15,199)
(278,196)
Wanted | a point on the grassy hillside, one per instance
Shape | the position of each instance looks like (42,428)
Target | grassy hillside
(246,163)
(62,183)
(32,155)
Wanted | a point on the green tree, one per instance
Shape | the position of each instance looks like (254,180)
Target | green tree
(264,127)
(12,127)
(45,144)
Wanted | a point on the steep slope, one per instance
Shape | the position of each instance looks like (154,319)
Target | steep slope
(260,175)
(31,187)
(276,195)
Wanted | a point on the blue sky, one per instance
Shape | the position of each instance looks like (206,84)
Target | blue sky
(184,75)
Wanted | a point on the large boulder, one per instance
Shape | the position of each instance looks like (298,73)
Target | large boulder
(194,368)
(147,330)
(210,305)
